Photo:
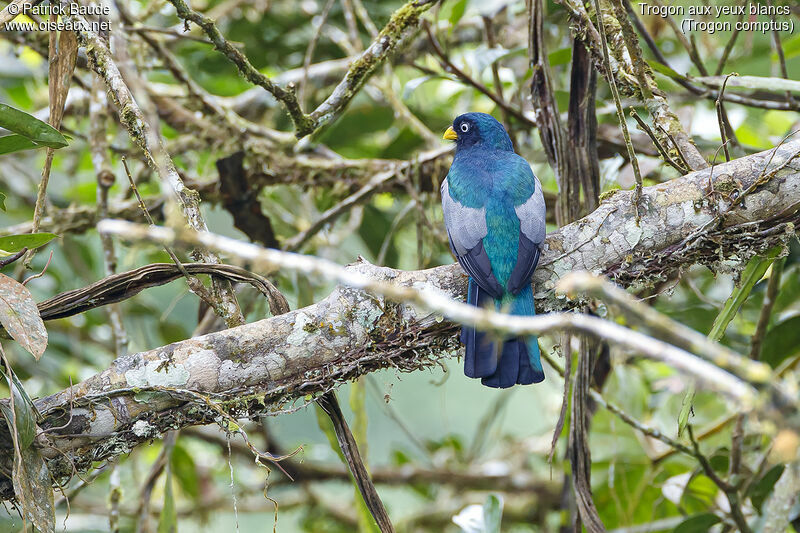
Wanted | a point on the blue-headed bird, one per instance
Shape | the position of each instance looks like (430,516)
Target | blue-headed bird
(494,213)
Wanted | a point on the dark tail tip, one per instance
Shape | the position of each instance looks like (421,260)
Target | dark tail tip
(515,365)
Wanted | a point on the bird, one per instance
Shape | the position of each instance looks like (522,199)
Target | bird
(494,213)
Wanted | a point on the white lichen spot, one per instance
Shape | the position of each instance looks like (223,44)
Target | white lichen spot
(675,214)
(158,374)
(698,219)
(142,429)
(203,368)
(633,232)
(298,334)
(101,421)
(367,317)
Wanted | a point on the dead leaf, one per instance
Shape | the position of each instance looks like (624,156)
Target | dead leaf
(62,64)
(63,55)
(20,316)
(34,489)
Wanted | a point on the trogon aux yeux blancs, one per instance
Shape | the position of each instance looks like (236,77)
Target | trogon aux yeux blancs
(494,213)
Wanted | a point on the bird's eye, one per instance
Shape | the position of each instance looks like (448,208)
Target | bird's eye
(464,127)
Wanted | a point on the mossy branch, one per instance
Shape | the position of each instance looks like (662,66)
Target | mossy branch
(360,70)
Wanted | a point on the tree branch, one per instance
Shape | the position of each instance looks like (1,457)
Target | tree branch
(267,365)
(360,70)
(149,141)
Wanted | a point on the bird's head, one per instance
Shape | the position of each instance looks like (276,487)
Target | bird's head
(478,129)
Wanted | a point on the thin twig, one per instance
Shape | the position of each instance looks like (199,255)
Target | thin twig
(776,40)
(765,176)
(374,185)
(498,84)
(672,331)
(729,45)
(729,490)
(62,54)
(171,32)
(285,95)
(448,65)
(566,350)
(101,160)
(157,468)
(661,150)
(737,439)
(195,285)
(149,141)
(625,417)
(11,258)
(362,479)
(40,274)
(312,44)
(620,115)
(676,29)
(724,125)
(361,69)
(366,20)
(235,123)
(675,144)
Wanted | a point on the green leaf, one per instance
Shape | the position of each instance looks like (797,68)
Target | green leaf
(20,316)
(24,413)
(168,520)
(791,48)
(358,397)
(185,471)
(762,489)
(686,408)
(665,70)
(752,274)
(699,523)
(15,143)
(457,10)
(3,201)
(31,127)
(413,84)
(492,513)
(560,57)
(699,494)
(781,341)
(789,291)
(11,244)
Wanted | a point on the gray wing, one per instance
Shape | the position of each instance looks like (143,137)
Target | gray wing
(531,216)
(466,228)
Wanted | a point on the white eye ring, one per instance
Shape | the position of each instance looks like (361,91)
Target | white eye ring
(464,127)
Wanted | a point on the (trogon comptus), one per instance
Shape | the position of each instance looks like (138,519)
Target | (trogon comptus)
(494,213)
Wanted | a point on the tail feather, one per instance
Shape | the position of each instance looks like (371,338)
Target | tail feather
(480,352)
(502,365)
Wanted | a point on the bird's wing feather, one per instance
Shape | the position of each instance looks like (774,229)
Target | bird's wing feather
(531,214)
(466,228)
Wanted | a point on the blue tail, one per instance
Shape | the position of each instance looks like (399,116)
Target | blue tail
(501,364)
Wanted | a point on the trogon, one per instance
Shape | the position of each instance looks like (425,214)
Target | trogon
(494,213)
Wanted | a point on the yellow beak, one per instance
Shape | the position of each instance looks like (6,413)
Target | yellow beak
(450,134)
